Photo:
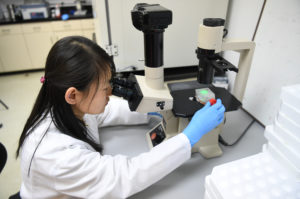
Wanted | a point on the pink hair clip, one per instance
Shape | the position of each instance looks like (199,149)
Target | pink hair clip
(43,79)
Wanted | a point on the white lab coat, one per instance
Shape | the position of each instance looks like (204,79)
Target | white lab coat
(64,167)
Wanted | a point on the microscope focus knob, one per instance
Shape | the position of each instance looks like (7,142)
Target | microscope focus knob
(213,22)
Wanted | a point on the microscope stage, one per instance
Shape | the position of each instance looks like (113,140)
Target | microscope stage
(183,91)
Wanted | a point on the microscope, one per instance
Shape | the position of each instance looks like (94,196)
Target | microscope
(177,102)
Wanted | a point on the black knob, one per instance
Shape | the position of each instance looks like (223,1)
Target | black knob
(213,22)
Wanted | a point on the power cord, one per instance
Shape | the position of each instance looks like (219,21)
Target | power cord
(5,106)
(223,142)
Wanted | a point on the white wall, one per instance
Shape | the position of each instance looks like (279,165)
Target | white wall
(277,42)
(275,58)
(180,38)
(275,62)
(241,21)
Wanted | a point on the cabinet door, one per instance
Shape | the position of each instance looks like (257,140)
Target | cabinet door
(39,40)
(88,28)
(39,45)
(13,51)
(66,25)
(61,34)
(1,67)
(66,28)
(89,34)
(87,23)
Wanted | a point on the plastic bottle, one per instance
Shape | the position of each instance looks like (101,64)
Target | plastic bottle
(57,11)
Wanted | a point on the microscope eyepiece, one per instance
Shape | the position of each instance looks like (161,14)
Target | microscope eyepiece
(127,88)
(122,87)
(122,92)
(122,82)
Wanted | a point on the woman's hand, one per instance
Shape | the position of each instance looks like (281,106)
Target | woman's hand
(204,120)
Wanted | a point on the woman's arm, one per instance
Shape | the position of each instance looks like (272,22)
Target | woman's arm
(117,112)
(86,174)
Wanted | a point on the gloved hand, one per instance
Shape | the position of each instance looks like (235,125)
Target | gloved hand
(204,120)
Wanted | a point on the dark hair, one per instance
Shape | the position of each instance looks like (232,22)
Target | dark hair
(72,62)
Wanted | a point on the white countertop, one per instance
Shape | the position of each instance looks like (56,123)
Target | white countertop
(187,181)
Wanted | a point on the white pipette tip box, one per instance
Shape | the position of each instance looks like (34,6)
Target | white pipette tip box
(274,173)
(257,176)
(283,149)
(291,95)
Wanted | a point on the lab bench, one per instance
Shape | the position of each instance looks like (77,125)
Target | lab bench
(187,181)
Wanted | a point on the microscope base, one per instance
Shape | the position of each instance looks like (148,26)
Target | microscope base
(208,146)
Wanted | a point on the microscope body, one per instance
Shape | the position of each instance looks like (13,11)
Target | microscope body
(152,20)
(211,43)
(150,93)
(154,100)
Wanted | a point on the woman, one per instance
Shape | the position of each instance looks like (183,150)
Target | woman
(60,148)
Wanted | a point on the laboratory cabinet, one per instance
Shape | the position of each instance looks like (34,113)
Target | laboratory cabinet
(83,27)
(13,50)
(26,46)
(39,39)
(88,29)
(90,34)
(66,28)
(1,67)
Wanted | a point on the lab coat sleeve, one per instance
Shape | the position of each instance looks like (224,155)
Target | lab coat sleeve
(117,112)
(90,175)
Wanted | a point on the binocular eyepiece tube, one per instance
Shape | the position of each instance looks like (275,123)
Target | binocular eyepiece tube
(122,87)
(129,89)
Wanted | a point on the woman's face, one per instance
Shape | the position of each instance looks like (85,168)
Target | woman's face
(95,100)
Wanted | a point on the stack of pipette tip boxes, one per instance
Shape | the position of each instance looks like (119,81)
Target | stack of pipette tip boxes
(273,173)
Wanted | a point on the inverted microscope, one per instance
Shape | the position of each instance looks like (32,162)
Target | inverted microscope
(177,102)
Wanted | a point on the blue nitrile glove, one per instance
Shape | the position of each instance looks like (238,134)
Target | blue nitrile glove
(204,120)
(155,114)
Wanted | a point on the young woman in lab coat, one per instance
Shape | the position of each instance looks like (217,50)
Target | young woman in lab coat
(61,155)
